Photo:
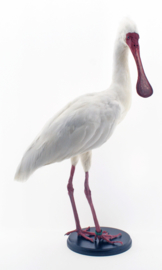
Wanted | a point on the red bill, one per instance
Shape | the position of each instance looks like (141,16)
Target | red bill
(143,86)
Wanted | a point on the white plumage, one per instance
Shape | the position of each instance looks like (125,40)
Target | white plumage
(85,123)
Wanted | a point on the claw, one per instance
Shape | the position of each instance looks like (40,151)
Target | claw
(70,232)
(107,237)
(86,237)
(83,233)
(115,236)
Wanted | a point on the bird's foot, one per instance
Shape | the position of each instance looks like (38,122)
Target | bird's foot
(83,233)
(104,235)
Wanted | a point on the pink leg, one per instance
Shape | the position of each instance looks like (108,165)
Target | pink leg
(100,235)
(70,192)
(78,227)
(89,198)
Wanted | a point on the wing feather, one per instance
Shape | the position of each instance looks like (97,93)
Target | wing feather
(83,125)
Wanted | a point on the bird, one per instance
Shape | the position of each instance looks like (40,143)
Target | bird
(88,122)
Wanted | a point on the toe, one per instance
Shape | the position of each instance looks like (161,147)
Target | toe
(86,237)
(70,232)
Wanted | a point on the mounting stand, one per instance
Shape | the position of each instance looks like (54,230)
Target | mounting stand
(99,248)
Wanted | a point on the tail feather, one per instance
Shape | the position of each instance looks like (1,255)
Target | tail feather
(40,153)
(22,173)
(28,165)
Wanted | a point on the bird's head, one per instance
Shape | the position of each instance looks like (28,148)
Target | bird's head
(130,37)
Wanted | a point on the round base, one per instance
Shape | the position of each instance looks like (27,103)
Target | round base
(99,248)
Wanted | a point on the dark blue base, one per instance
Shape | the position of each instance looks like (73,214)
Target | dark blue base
(99,248)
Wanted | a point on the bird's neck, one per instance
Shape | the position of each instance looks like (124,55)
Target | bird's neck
(121,82)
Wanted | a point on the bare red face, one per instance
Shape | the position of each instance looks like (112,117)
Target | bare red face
(143,86)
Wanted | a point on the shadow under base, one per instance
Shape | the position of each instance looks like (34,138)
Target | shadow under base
(99,248)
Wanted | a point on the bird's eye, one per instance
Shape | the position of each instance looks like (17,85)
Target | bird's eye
(128,37)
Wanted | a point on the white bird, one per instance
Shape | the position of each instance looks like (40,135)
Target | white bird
(88,122)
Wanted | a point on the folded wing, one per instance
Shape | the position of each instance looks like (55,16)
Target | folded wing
(83,125)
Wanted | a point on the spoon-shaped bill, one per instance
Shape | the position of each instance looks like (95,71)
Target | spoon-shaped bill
(143,86)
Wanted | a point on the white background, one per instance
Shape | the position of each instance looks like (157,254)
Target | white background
(50,53)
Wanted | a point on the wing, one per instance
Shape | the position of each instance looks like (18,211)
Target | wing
(83,125)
